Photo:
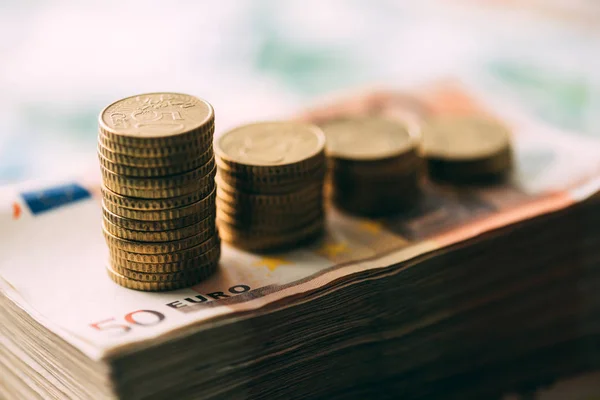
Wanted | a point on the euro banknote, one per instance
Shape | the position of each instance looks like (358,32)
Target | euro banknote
(54,255)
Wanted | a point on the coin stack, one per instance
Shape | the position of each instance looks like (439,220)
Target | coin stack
(270,185)
(374,165)
(158,192)
(467,149)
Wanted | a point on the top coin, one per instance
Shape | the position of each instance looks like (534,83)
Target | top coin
(368,138)
(267,144)
(464,138)
(138,119)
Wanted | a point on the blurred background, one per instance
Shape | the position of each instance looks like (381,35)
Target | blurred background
(61,62)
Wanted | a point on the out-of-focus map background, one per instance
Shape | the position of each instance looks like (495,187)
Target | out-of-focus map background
(61,62)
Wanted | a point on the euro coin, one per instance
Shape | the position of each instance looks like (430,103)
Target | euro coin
(267,187)
(369,138)
(207,224)
(158,190)
(467,149)
(270,183)
(271,242)
(307,193)
(157,120)
(188,159)
(148,172)
(271,147)
(196,198)
(209,257)
(464,138)
(201,187)
(269,223)
(186,274)
(180,255)
(176,239)
(115,179)
(374,164)
(294,209)
(202,208)
(157,286)
(141,225)
(196,147)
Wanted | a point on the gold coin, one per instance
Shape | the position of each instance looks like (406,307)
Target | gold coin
(116,179)
(155,204)
(376,199)
(201,208)
(271,242)
(156,247)
(164,225)
(264,231)
(375,168)
(369,138)
(495,163)
(186,275)
(204,228)
(275,179)
(300,170)
(291,209)
(144,172)
(155,286)
(269,223)
(263,145)
(467,149)
(198,146)
(196,141)
(370,177)
(487,170)
(266,186)
(464,138)
(201,187)
(206,224)
(192,158)
(307,193)
(210,257)
(155,119)
(170,257)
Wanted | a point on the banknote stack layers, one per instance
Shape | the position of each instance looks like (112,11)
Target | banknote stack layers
(477,293)
(158,190)
(270,185)
(374,165)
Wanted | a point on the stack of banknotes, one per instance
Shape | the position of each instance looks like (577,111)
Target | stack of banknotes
(477,292)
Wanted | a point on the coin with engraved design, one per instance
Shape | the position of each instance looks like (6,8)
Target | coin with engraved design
(158,192)
(270,184)
(373,164)
(270,147)
(155,119)
(467,149)
(369,138)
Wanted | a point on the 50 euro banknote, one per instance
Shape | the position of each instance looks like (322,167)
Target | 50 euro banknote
(54,254)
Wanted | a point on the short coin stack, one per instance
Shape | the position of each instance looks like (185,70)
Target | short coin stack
(374,165)
(159,209)
(270,185)
(467,149)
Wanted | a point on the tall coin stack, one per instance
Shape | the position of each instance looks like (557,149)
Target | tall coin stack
(270,185)
(374,165)
(158,203)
